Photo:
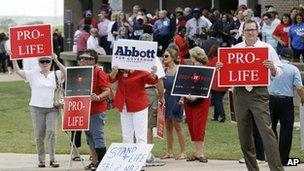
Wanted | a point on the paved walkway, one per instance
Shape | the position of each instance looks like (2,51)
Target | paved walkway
(9,77)
(27,162)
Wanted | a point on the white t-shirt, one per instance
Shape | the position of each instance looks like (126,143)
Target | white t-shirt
(92,43)
(160,69)
(42,88)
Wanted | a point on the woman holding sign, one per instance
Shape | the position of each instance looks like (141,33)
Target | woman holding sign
(196,110)
(44,114)
(132,102)
(101,89)
(173,110)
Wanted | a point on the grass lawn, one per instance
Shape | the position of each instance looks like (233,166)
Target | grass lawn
(16,134)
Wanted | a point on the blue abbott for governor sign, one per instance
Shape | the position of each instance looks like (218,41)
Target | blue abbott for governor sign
(134,54)
(125,156)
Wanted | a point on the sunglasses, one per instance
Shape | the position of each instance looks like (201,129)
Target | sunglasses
(44,61)
(86,59)
(248,30)
(165,56)
(265,18)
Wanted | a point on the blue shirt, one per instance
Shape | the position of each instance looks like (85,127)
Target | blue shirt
(162,27)
(267,31)
(284,84)
(296,33)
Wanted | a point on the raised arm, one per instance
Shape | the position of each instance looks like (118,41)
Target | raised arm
(61,67)
(19,71)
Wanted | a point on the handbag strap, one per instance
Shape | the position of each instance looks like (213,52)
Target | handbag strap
(56,79)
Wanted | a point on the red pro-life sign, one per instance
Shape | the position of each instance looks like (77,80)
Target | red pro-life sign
(31,41)
(243,67)
(76,115)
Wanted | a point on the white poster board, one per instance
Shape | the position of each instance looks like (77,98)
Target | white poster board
(125,156)
(302,126)
(134,54)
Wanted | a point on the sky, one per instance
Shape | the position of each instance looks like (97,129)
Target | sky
(32,7)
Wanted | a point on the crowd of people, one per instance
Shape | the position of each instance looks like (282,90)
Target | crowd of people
(192,35)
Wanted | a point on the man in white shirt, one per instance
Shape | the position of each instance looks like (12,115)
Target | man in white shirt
(92,42)
(252,103)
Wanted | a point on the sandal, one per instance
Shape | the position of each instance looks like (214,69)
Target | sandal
(200,159)
(191,158)
(182,156)
(77,158)
(167,156)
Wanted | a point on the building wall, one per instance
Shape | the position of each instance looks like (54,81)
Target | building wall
(282,6)
(169,5)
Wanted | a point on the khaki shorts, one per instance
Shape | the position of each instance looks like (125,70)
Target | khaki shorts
(152,109)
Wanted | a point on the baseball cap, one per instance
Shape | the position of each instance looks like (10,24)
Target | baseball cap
(85,55)
(88,13)
(286,53)
(196,10)
(139,17)
(271,9)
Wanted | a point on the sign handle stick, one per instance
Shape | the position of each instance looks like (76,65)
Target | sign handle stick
(73,146)
(71,153)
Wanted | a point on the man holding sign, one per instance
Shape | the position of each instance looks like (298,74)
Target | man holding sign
(253,103)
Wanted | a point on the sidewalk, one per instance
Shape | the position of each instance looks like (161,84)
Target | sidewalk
(9,77)
(27,162)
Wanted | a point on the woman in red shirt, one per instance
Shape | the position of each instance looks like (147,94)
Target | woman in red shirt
(132,103)
(179,40)
(196,110)
(101,89)
(281,32)
(217,93)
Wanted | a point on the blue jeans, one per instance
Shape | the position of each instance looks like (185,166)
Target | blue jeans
(217,101)
(95,135)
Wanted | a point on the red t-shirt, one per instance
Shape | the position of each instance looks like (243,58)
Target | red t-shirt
(81,41)
(281,31)
(130,90)
(182,46)
(215,87)
(100,82)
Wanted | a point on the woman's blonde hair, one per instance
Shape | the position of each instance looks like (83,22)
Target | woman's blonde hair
(172,49)
(199,55)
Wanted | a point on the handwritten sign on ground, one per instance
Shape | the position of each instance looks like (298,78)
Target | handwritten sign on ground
(134,54)
(125,156)
(31,41)
(243,67)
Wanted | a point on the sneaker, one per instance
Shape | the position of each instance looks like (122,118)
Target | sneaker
(242,160)
(260,161)
(41,164)
(54,163)
(152,161)
(222,119)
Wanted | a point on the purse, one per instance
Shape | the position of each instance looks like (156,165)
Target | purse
(58,94)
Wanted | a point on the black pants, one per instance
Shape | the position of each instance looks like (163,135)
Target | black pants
(282,109)
(3,62)
(217,101)
(77,138)
(163,42)
(297,53)
(103,42)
